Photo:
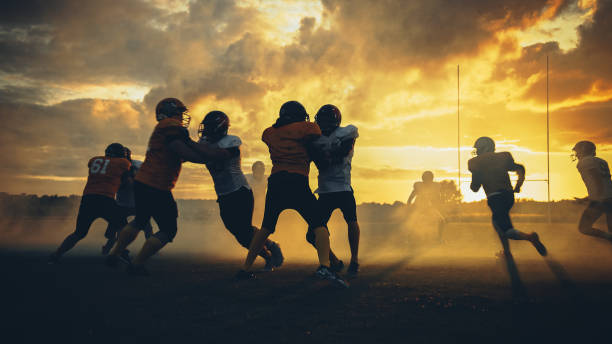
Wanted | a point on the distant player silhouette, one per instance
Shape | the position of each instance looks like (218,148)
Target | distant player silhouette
(426,199)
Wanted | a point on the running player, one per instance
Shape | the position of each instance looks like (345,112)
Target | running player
(258,183)
(105,175)
(595,174)
(335,151)
(490,170)
(426,195)
(125,203)
(234,194)
(168,147)
(289,141)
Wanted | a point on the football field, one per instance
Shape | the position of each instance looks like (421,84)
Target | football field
(440,293)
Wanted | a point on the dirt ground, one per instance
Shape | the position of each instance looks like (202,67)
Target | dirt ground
(194,298)
(410,289)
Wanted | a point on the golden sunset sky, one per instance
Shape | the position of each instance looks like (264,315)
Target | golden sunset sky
(78,75)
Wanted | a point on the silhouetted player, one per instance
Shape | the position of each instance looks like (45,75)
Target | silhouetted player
(334,154)
(595,173)
(169,146)
(490,169)
(98,201)
(235,196)
(125,203)
(288,141)
(427,198)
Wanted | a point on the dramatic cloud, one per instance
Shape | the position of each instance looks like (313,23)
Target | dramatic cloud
(78,75)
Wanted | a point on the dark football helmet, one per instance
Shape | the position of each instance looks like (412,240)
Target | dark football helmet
(293,111)
(328,118)
(483,144)
(214,125)
(172,107)
(115,150)
(583,149)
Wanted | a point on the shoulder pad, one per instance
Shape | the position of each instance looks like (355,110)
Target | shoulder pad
(229,141)
(348,132)
(587,163)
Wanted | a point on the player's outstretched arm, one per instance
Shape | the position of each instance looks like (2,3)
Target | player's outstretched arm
(343,149)
(185,152)
(520,170)
(411,197)
(476,182)
(209,152)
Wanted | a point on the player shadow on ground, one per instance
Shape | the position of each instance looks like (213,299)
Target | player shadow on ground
(519,292)
(563,277)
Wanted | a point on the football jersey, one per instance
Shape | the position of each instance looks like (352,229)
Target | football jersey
(226,174)
(125,194)
(105,175)
(493,167)
(287,146)
(161,167)
(337,176)
(427,193)
(601,166)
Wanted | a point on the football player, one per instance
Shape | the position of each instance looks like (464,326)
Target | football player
(490,170)
(105,175)
(234,194)
(289,141)
(125,202)
(334,154)
(169,146)
(426,195)
(595,174)
(258,182)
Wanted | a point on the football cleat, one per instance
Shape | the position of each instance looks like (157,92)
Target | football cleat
(244,275)
(535,241)
(137,270)
(353,269)
(324,273)
(277,255)
(268,267)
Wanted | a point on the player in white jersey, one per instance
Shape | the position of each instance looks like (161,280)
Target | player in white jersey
(427,198)
(595,173)
(235,196)
(333,156)
(126,204)
(490,170)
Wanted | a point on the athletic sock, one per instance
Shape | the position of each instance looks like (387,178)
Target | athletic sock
(322,245)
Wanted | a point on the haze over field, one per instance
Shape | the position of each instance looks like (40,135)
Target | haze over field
(76,76)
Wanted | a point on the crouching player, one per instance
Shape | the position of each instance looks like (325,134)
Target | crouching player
(490,170)
(595,173)
(234,194)
(105,174)
(168,147)
(125,203)
(288,141)
(334,154)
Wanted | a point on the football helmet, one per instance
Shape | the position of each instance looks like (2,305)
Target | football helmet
(583,149)
(172,107)
(427,176)
(128,153)
(293,111)
(328,118)
(483,145)
(115,150)
(214,125)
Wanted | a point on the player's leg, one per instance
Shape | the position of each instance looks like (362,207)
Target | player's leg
(165,215)
(326,208)
(145,198)
(590,215)
(348,206)
(500,206)
(273,207)
(86,216)
(112,232)
(236,210)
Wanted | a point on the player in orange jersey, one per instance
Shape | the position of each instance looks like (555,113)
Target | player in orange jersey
(169,146)
(105,174)
(290,141)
